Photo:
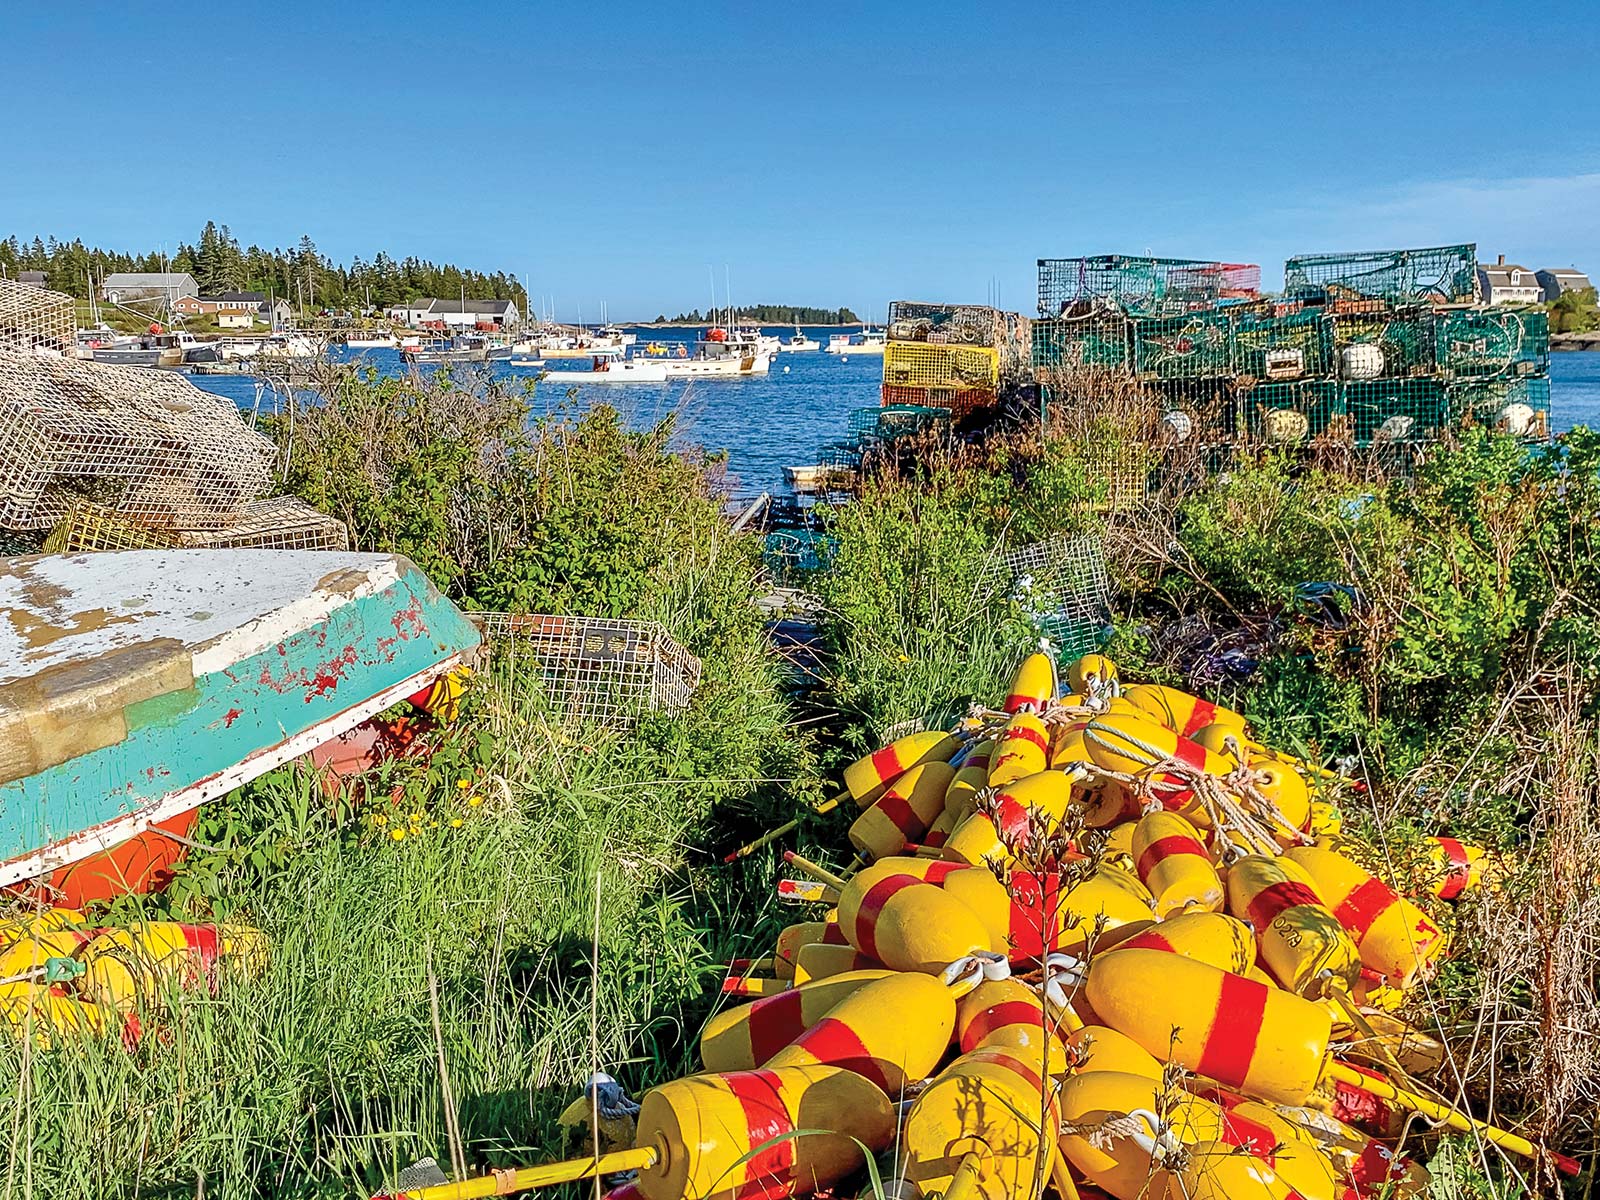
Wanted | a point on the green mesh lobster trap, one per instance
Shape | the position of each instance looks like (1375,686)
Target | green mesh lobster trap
(1063,585)
(1295,345)
(871,426)
(1396,410)
(1489,342)
(1096,339)
(1141,285)
(1389,344)
(1432,275)
(1197,345)
(1286,413)
(1517,406)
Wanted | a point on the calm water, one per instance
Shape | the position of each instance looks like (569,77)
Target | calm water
(766,423)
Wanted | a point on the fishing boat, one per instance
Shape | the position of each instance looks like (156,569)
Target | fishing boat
(370,340)
(277,345)
(463,348)
(799,342)
(136,686)
(719,353)
(868,341)
(153,349)
(639,369)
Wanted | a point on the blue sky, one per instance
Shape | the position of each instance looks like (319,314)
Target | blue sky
(822,154)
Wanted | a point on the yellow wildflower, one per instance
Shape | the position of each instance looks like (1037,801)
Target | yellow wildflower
(463,784)
(416,818)
(379,819)
(475,801)
(455,822)
(398,835)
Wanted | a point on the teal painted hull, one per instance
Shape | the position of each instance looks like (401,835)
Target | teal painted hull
(187,744)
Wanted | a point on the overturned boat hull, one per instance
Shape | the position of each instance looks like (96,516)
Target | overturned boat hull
(135,686)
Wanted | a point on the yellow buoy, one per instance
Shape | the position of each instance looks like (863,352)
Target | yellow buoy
(1268,1044)
(1302,944)
(1020,750)
(866,777)
(1034,685)
(1007,1012)
(1178,710)
(970,778)
(1115,1119)
(824,960)
(892,1030)
(1214,938)
(909,925)
(997,834)
(1101,1048)
(743,1038)
(1091,675)
(1174,865)
(1395,938)
(904,812)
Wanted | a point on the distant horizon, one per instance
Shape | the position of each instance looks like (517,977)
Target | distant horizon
(858,160)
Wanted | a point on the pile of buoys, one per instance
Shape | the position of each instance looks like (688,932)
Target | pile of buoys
(61,976)
(1096,942)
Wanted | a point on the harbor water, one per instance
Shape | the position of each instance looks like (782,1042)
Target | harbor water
(765,423)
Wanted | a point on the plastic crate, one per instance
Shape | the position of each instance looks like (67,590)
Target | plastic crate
(1433,275)
(1098,340)
(1196,346)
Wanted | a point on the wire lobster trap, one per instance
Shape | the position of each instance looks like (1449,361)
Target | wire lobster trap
(1063,584)
(36,321)
(278,523)
(1142,286)
(922,364)
(1281,346)
(1097,338)
(601,670)
(1383,345)
(945,324)
(1289,412)
(871,426)
(1431,275)
(1482,343)
(1520,407)
(146,444)
(1198,345)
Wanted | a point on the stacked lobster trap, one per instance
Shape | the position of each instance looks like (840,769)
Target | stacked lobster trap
(958,357)
(1376,349)
(102,457)
(34,320)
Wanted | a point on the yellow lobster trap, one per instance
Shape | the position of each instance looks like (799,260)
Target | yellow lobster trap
(927,365)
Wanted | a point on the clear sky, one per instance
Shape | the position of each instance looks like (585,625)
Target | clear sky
(822,154)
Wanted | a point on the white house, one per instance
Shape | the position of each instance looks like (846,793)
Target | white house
(1507,283)
(452,314)
(122,287)
(1556,280)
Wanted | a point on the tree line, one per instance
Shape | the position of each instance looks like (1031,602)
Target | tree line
(302,274)
(773,314)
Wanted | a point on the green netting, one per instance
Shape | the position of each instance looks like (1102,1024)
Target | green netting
(1479,343)
(1395,410)
(1098,340)
(1435,274)
(1292,346)
(1287,413)
(840,456)
(1196,346)
(1404,342)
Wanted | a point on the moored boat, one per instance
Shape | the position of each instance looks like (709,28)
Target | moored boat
(868,341)
(213,667)
(463,348)
(613,370)
(719,353)
(799,342)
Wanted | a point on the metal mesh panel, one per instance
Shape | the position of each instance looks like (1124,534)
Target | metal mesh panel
(922,364)
(280,523)
(1139,285)
(1196,346)
(1383,345)
(1436,274)
(91,527)
(147,444)
(1063,583)
(34,321)
(948,324)
(1292,345)
(958,402)
(1097,339)
(1479,343)
(592,669)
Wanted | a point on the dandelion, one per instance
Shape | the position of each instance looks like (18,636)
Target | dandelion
(416,818)
(398,835)
(904,659)
(463,784)
(455,822)
(475,801)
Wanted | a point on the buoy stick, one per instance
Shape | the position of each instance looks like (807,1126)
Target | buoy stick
(1449,1116)
(812,869)
(964,1183)
(772,835)
(504,1183)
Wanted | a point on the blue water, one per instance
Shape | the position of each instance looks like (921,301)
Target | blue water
(766,423)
